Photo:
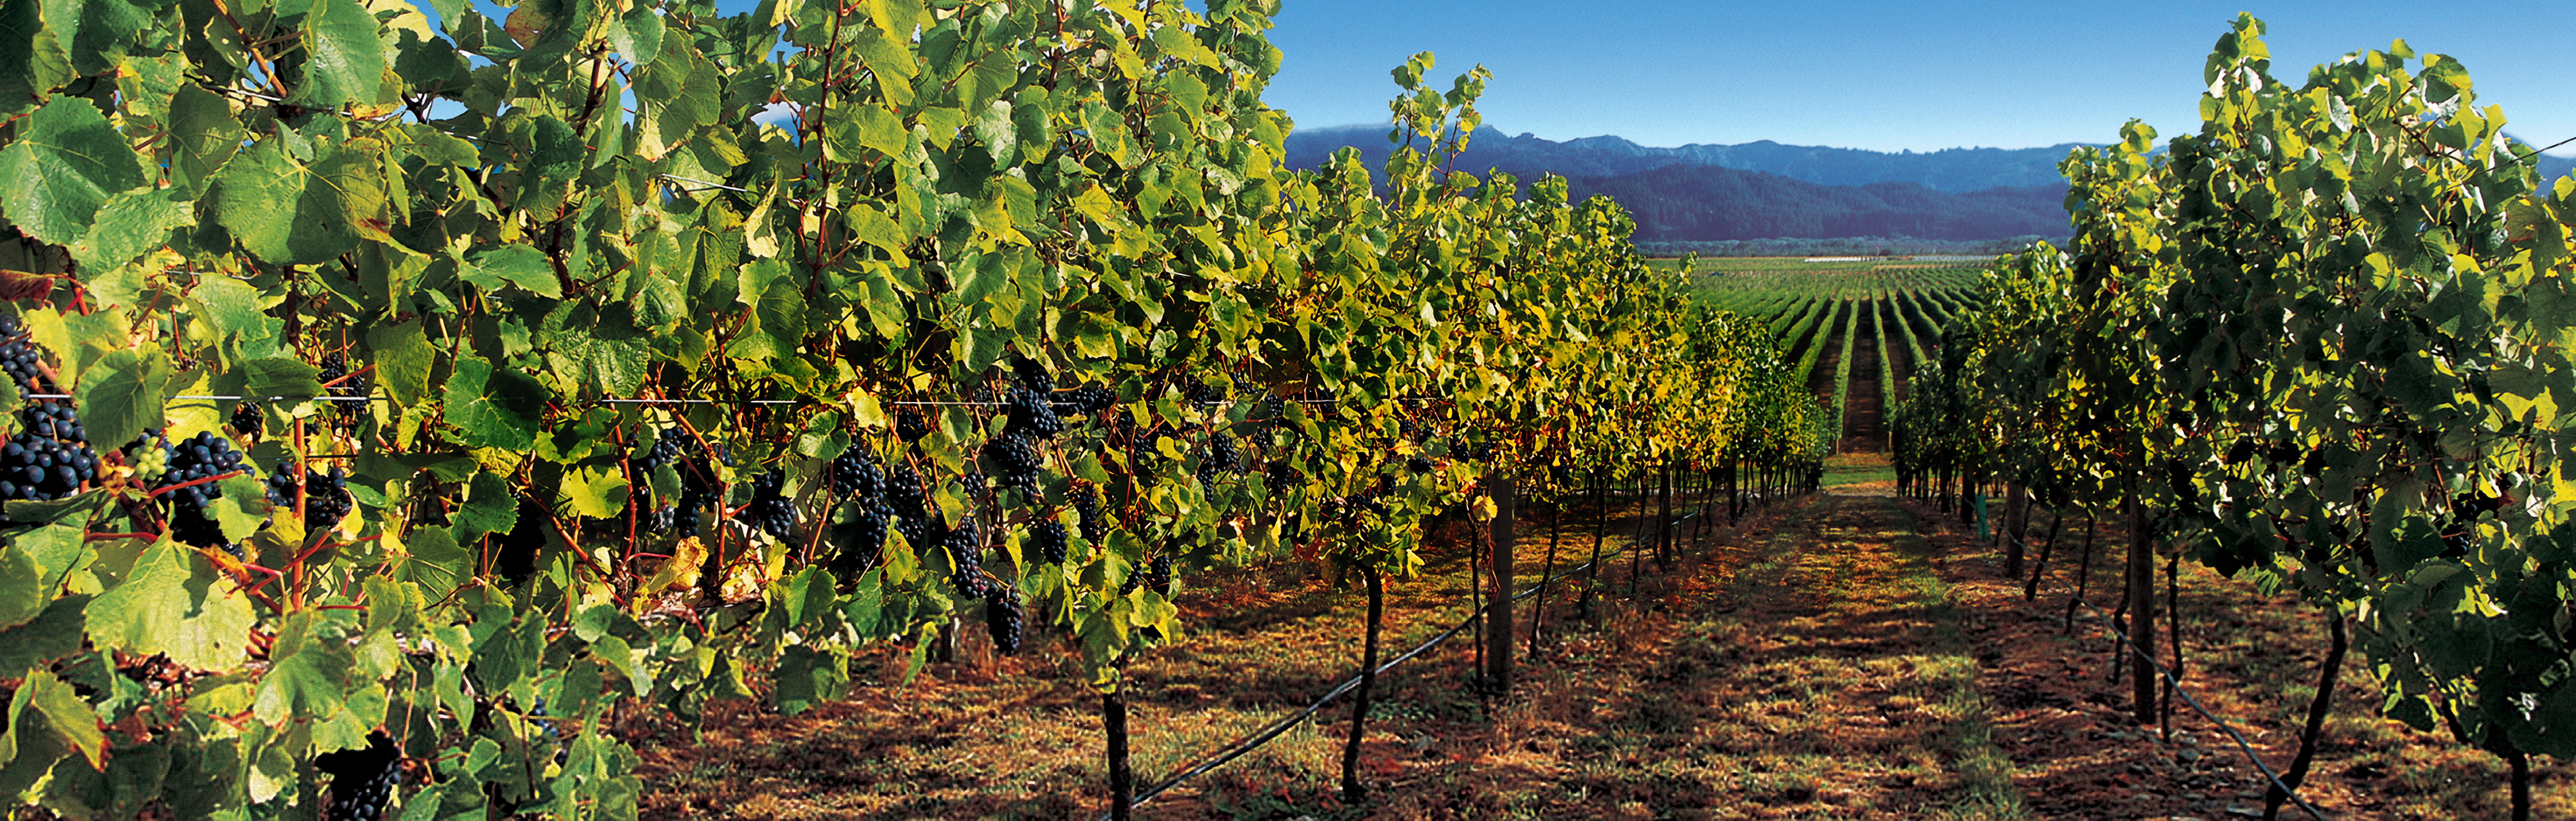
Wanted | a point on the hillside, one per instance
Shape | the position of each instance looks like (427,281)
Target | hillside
(1955,170)
(1697,202)
(1762,190)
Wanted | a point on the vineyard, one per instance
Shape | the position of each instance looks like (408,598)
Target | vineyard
(956,409)
(1854,327)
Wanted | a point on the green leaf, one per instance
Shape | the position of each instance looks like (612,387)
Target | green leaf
(822,436)
(519,265)
(282,210)
(64,165)
(437,563)
(174,602)
(344,59)
(123,394)
(308,674)
(494,409)
(279,377)
(403,360)
(130,225)
(53,635)
(206,134)
(488,508)
(23,591)
(45,704)
(32,60)
(876,228)
(596,492)
(243,510)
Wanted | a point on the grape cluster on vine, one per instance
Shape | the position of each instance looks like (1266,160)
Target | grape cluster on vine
(911,425)
(965,546)
(50,458)
(862,488)
(247,420)
(1032,416)
(1015,459)
(771,511)
(1091,397)
(339,381)
(362,780)
(188,485)
(1222,455)
(326,495)
(1095,525)
(1002,617)
(855,475)
(21,358)
(1047,536)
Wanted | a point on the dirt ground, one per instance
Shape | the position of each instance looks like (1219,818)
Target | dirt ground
(1849,655)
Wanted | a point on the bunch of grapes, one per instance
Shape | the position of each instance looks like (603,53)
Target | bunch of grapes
(1017,459)
(911,425)
(860,539)
(149,455)
(362,780)
(1158,573)
(904,494)
(1283,473)
(326,496)
(1143,451)
(1002,617)
(1092,397)
(669,445)
(1223,455)
(1207,393)
(51,459)
(21,358)
(771,510)
(1032,375)
(196,458)
(855,475)
(1032,416)
(516,556)
(965,544)
(335,369)
(699,489)
(247,420)
(1048,537)
(1095,526)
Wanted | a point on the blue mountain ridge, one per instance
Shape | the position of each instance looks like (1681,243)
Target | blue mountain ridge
(1767,190)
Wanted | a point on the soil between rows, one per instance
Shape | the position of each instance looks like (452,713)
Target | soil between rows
(1847,655)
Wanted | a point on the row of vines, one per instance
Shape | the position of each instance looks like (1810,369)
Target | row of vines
(2323,343)
(401,393)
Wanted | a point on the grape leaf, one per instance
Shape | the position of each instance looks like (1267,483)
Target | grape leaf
(280,209)
(345,61)
(173,602)
(54,634)
(64,165)
(123,394)
(519,265)
(130,224)
(495,409)
(46,704)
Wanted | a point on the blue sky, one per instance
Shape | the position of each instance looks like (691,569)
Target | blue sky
(1880,75)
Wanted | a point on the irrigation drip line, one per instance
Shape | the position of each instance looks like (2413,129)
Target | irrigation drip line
(1259,738)
(2223,726)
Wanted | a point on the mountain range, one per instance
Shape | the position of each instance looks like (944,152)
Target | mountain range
(1767,190)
